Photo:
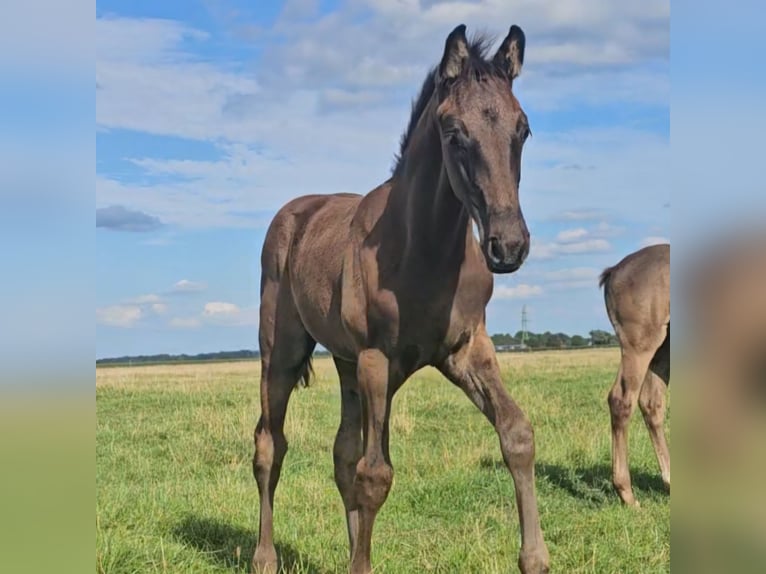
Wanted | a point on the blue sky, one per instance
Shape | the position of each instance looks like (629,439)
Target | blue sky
(210,115)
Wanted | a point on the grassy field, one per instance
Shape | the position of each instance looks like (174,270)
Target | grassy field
(175,491)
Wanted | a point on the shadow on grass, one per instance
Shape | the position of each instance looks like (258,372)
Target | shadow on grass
(592,484)
(233,546)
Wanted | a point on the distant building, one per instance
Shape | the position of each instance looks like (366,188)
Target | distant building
(513,347)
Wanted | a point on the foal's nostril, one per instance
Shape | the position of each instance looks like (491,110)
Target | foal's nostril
(496,249)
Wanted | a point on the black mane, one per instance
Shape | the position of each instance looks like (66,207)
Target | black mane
(478,67)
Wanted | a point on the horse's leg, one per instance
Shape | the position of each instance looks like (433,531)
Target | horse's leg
(622,402)
(374,473)
(286,350)
(348,445)
(651,401)
(474,369)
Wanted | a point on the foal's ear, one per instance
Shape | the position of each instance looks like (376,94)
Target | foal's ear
(510,55)
(455,54)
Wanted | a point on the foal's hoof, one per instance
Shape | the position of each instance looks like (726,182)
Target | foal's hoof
(265,561)
(536,562)
(631,503)
(626,496)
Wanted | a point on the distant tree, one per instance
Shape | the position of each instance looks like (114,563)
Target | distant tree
(182,358)
(578,341)
(535,341)
(503,339)
(599,337)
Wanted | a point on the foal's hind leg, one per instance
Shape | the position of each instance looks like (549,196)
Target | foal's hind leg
(637,351)
(348,445)
(285,352)
(475,370)
(652,402)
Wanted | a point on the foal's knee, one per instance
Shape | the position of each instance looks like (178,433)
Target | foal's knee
(373,483)
(517,440)
(269,450)
(346,453)
(651,408)
(620,407)
(263,457)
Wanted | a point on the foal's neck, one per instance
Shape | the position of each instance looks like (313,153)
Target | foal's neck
(437,223)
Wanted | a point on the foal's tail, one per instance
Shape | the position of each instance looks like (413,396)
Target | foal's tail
(306,371)
(606,274)
(603,281)
(274,255)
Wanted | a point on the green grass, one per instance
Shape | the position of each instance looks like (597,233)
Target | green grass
(175,491)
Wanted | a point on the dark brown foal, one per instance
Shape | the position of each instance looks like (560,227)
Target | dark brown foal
(394,281)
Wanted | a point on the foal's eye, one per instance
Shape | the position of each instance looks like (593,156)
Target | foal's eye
(454,138)
(522,135)
(525,133)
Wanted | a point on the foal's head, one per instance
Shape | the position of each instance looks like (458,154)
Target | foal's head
(483,130)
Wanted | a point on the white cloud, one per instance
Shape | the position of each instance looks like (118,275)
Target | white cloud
(141,39)
(146,299)
(220,313)
(124,316)
(572,273)
(159,308)
(604,229)
(578,215)
(653,240)
(587,246)
(149,302)
(224,313)
(570,37)
(580,234)
(130,311)
(521,291)
(571,235)
(187,286)
(335,99)
(220,308)
(542,250)
(185,322)
(570,278)
(145,57)
(230,191)
(150,80)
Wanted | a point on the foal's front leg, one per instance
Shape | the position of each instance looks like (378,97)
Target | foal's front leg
(374,473)
(475,370)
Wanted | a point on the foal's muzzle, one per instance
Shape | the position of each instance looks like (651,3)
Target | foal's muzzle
(507,243)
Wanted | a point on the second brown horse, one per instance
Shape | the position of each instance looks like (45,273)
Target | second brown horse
(637,297)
